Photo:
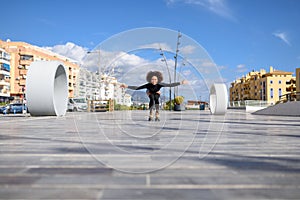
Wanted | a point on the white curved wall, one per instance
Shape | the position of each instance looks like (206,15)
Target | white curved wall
(218,99)
(47,88)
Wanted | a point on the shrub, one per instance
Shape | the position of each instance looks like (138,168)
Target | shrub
(179,100)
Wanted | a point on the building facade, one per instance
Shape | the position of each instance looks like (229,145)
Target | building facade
(4,76)
(298,80)
(88,84)
(121,97)
(22,55)
(107,86)
(262,85)
(95,86)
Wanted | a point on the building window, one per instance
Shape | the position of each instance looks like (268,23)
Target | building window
(279,82)
(271,82)
(279,92)
(26,57)
(271,93)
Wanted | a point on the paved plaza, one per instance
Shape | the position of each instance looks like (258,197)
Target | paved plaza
(120,155)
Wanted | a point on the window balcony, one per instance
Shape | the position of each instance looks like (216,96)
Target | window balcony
(22,82)
(25,62)
(23,72)
(4,72)
(4,92)
(5,82)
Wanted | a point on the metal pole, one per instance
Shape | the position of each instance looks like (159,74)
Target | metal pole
(170,92)
(175,67)
(170,99)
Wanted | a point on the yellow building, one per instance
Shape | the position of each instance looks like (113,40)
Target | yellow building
(262,85)
(21,56)
(298,80)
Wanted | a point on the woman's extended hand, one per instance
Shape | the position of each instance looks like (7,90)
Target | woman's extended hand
(184,82)
(123,86)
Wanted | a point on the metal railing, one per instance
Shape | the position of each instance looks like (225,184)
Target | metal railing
(100,105)
(244,103)
(292,96)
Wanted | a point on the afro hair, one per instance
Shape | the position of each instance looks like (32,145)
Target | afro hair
(158,74)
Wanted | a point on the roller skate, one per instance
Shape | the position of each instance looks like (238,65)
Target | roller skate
(150,116)
(157,113)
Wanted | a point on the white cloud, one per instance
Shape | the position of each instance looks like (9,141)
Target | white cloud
(241,68)
(187,72)
(188,49)
(218,7)
(203,62)
(121,62)
(163,46)
(131,68)
(222,67)
(283,36)
(69,50)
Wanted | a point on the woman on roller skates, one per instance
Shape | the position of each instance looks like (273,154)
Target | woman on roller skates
(153,87)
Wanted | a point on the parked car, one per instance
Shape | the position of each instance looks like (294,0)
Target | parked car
(77,104)
(71,106)
(4,109)
(17,108)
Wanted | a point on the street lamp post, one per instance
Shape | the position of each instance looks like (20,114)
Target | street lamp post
(175,57)
(170,92)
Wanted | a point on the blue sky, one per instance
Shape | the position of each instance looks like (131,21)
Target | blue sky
(239,35)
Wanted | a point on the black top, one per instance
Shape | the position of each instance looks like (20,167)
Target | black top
(153,88)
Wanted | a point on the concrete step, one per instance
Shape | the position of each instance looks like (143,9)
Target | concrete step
(283,109)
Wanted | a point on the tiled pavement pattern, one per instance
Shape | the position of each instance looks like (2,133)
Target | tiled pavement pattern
(120,155)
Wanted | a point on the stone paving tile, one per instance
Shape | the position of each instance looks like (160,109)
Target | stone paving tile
(188,155)
(49,193)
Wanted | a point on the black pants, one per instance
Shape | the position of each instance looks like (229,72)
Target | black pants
(154,99)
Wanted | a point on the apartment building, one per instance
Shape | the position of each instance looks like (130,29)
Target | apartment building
(21,56)
(298,80)
(4,76)
(262,85)
(88,84)
(95,86)
(121,97)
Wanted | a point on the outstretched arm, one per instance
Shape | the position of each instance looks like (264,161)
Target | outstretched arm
(134,87)
(174,84)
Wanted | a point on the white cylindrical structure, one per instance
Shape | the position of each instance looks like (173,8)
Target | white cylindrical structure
(47,88)
(218,99)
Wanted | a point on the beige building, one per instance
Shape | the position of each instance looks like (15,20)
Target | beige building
(262,85)
(298,80)
(4,76)
(21,56)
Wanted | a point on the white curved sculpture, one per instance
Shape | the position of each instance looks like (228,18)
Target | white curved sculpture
(47,88)
(218,99)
